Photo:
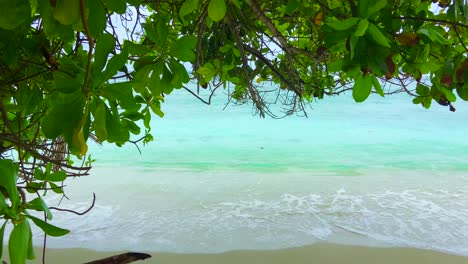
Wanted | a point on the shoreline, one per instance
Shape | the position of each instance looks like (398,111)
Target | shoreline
(322,253)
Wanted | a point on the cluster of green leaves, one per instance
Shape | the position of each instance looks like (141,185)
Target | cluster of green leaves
(77,71)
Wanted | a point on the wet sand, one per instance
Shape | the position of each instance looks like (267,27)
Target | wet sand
(317,253)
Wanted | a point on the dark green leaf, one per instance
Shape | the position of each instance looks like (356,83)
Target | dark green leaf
(113,66)
(97,18)
(118,6)
(8,178)
(362,88)
(122,92)
(14,13)
(104,45)
(363,7)
(49,229)
(216,10)
(376,6)
(292,6)
(183,48)
(462,91)
(64,115)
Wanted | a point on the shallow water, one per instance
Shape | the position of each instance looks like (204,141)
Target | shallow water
(385,172)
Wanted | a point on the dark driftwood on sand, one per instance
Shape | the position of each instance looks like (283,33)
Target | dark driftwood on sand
(122,258)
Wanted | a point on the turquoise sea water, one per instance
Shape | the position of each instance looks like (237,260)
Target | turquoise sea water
(383,173)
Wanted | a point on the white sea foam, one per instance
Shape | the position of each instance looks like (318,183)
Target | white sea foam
(423,218)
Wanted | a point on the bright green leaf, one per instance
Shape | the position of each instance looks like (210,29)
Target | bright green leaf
(19,242)
(2,232)
(208,71)
(344,24)
(55,188)
(377,86)
(49,229)
(377,35)
(188,7)
(362,88)
(361,28)
(217,10)
(57,176)
(39,205)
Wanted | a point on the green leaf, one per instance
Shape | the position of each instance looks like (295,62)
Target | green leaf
(100,121)
(118,6)
(208,71)
(292,6)
(448,93)
(49,229)
(64,115)
(2,232)
(344,24)
(14,13)
(362,88)
(39,205)
(97,18)
(57,176)
(361,28)
(377,35)
(216,10)
(422,90)
(113,66)
(39,175)
(377,86)
(122,92)
(116,133)
(19,242)
(376,7)
(462,91)
(3,204)
(180,75)
(188,7)
(433,35)
(55,188)
(104,45)
(66,83)
(182,48)
(8,178)
(363,8)
(157,110)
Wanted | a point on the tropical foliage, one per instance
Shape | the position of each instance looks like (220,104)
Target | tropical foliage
(74,72)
